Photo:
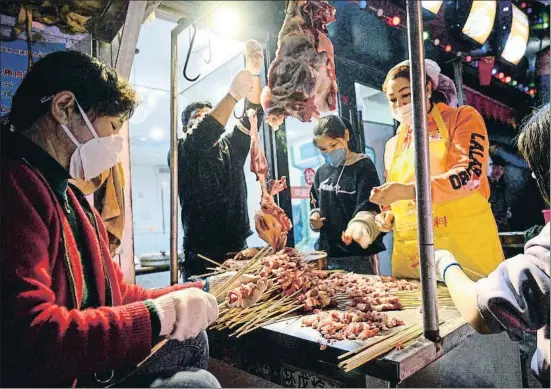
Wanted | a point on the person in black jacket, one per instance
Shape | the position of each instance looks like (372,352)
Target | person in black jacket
(211,177)
(341,209)
(498,193)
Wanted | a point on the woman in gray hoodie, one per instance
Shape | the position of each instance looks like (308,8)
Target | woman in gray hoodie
(515,296)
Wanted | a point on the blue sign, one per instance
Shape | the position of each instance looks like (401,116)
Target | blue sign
(14,59)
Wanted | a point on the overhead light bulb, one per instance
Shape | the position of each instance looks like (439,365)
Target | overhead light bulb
(226,21)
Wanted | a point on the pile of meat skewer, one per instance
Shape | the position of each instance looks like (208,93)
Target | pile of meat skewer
(352,325)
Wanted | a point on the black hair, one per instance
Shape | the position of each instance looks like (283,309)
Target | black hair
(534,145)
(498,161)
(403,72)
(188,111)
(334,127)
(98,88)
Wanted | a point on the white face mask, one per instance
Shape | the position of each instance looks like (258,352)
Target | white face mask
(92,158)
(404,114)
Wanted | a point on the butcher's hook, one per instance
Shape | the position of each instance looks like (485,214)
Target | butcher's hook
(210,54)
(189,54)
(242,115)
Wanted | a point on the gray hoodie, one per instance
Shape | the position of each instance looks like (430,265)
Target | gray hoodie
(515,298)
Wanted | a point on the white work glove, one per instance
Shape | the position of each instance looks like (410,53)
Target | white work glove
(195,311)
(166,309)
(241,85)
(254,57)
(443,260)
(216,281)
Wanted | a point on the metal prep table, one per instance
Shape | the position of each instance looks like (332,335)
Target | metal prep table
(289,355)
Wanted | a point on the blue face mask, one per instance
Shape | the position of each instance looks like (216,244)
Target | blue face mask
(335,158)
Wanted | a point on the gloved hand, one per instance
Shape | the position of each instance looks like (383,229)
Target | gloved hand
(195,311)
(359,232)
(443,260)
(391,192)
(316,221)
(166,309)
(248,253)
(254,57)
(241,85)
(384,221)
(216,281)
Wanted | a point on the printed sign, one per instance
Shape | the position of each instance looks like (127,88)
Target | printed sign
(309,175)
(300,192)
(14,59)
(291,377)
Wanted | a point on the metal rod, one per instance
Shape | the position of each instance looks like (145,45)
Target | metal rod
(174,157)
(422,169)
(181,26)
(458,79)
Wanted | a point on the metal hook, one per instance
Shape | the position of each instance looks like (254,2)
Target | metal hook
(210,54)
(242,115)
(189,54)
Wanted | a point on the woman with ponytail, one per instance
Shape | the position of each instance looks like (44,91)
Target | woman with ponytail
(341,210)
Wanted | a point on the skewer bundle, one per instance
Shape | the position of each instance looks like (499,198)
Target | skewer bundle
(411,299)
(377,347)
(271,306)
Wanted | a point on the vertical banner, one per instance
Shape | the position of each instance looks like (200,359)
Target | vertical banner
(14,61)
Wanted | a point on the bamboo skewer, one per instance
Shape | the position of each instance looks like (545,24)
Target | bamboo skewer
(210,260)
(473,272)
(271,320)
(402,338)
(246,268)
(216,293)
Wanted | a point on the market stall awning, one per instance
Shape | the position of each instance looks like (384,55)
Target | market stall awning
(490,108)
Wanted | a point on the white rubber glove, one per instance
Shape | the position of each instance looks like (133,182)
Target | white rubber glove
(363,229)
(195,311)
(241,85)
(443,260)
(254,57)
(166,309)
(384,221)
(358,231)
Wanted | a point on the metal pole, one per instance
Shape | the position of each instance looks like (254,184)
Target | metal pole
(174,141)
(174,156)
(458,78)
(422,169)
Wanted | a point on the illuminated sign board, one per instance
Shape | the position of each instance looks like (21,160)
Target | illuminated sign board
(518,38)
(432,6)
(481,20)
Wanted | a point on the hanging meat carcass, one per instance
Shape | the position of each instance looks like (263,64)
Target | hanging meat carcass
(271,222)
(301,79)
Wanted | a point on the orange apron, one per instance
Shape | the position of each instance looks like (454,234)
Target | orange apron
(466,227)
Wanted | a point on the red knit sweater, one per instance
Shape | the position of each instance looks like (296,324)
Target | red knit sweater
(46,339)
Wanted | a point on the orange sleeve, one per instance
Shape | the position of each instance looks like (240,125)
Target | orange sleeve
(467,158)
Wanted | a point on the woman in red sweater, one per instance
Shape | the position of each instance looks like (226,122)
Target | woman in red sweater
(68,317)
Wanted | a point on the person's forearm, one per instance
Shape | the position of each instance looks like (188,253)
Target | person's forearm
(463,293)
(254,95)
(221,113)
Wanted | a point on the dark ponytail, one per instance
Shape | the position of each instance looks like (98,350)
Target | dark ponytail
(334,127)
